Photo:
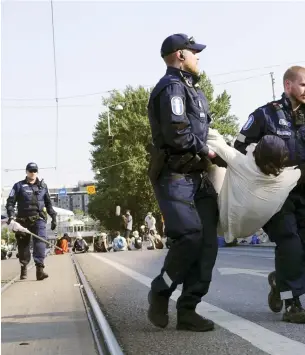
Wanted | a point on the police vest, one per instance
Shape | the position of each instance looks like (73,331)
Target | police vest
(292,131)
(30,200)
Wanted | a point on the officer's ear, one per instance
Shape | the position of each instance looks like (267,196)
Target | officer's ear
(181,55)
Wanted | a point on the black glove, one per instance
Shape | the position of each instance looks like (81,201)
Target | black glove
(53,224)
(219,162)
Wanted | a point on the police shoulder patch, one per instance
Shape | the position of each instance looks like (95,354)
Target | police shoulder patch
(249,123)
(12,193)
(177,105)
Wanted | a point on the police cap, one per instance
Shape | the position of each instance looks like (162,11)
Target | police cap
(179,41)
(31,166)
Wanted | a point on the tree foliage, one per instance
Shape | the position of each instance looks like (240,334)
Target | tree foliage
(7,235)
(121,169)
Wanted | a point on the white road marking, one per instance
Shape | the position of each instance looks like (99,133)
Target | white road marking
(262,255)
(235,271)
(260,337)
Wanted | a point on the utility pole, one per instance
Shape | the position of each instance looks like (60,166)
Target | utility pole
(272,83)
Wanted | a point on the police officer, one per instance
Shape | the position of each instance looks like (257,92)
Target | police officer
(285,118)
(33,205)
(179,118)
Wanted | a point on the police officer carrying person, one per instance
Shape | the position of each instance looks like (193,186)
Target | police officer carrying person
(33,205)
(179,119)
(285,118)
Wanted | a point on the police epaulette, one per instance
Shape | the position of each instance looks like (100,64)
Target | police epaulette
(43,184)
(277,105)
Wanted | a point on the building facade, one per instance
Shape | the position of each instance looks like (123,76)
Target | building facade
(72,198)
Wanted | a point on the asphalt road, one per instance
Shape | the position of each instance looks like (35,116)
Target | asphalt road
(237,302)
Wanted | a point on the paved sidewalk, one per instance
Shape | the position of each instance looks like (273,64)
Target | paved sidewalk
(46,317)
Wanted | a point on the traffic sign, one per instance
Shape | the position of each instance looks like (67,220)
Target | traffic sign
(91,190)
(62,192)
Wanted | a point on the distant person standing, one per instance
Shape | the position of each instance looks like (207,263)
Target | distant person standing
(127,224)
(150,222)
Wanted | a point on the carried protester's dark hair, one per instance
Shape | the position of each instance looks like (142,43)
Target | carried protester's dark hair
(271,154)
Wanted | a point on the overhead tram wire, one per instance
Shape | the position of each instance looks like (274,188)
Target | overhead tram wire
(127,101)
(109,91)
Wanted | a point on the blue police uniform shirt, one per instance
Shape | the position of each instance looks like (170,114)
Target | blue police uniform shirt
(30,199)
(179,114)
(276,118)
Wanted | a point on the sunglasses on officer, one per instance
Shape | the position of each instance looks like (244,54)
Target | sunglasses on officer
(32,171)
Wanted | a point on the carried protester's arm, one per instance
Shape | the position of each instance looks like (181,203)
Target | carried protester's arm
(217,143)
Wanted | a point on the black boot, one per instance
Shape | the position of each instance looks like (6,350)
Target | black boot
(274,297)
(188,319)
(158,309)
(23,273)
(40,274)
(294,312)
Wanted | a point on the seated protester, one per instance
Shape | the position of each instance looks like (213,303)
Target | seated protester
(105,248)
(143,233)
(67,238)
(255,185)
(65,243)
(97,246)
(80,245)
(136,241)
(58,244)
(155,241)
(119,243)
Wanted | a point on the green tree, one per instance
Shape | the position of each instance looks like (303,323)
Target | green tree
(5,233)
(226,124)
(78,213)
(121,167)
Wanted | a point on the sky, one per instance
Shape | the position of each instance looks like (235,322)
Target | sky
(108,45)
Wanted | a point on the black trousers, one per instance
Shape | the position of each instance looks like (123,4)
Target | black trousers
(287,230)
(188,203)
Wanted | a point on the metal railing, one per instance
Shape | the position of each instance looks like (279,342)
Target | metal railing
(109,341)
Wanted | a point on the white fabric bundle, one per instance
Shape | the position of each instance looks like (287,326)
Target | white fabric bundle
(247,198)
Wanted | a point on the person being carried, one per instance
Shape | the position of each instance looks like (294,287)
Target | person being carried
(255,185)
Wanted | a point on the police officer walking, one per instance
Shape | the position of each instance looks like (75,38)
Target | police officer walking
(179,118)
(33,205)
(285,118)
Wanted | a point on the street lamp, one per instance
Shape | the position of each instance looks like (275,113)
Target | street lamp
(116,108)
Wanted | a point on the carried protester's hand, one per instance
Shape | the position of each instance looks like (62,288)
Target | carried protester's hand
(212,154)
